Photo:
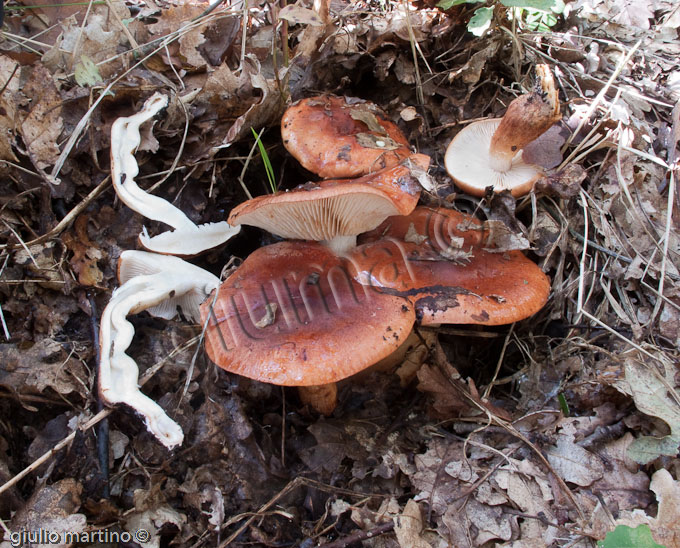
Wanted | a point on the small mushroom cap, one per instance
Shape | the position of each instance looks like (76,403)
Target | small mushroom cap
(435,227)
(335,207)
(468,161)
(459,282)
(292,315)
(337,137)
(189,240)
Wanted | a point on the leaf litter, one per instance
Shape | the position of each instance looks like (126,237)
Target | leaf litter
(562,430)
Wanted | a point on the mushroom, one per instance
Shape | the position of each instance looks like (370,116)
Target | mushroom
(335,211)
(292,315)
(187,238)
(338,137)
(437,260)
(160,284)
(489,152)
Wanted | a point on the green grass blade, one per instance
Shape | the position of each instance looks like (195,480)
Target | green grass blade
(269,170)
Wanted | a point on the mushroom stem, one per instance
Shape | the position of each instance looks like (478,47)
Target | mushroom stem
(118,372)
(527,118)
(323,398)
(340,245)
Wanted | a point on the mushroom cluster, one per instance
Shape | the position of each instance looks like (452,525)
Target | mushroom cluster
(310,314)
(361,264)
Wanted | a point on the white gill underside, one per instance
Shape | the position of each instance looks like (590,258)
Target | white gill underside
(469,161)
(323,218)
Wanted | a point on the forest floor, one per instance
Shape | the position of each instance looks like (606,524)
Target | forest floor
(554,431)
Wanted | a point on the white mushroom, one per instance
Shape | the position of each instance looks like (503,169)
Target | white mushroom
(488,153)
(160,284)
(187,238)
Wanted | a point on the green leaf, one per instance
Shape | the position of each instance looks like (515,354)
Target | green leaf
(543,5)
(564,406)
(87,73)
(480,21)
(645,449)
(539,20)
(446,4)
(627,537)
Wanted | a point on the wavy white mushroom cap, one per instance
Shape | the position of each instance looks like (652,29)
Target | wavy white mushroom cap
(187,239)
(141,263)
(469,163)
(152,281)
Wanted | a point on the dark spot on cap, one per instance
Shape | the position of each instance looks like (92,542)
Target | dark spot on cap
(172,294)
(404,308)
(513,148)
(437,303)
(483,317)
(343,154)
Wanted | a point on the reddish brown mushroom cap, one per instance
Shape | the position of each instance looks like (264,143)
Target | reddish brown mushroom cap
(462,283)
(342,136)
(292,315)
(435,227)
(334,208)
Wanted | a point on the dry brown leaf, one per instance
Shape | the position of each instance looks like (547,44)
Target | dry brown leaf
(299,15)
(623,483)
(545,151)
(41,262)
(42,126)
(532,495)
(268,110)
(431,483)
(471,71)
(183,53)
(10,76)
(446,401)
(665,526)
(45,364)
(501,239)
(334,443)
(491,522)
(564,183)
(51,508)
(573,463)
(152,520)
(408,527)
(669,323)
(98,40)
(85,253)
